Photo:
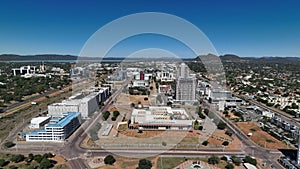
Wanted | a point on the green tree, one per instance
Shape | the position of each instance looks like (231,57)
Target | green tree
(109,160)
(206,111)
(221,125)
(205,143)
(116,113)
(144,164)
(106,115)
(236,161)
(17,158)
(45,163)
(48,155)
(229,166)
(225,143)
(38,158)
(9,144)
(223,158)
(3,162)
(250,160)
(13,167)
(213,160)
(228,133)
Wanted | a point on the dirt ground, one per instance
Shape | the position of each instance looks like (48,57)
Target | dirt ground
(136,98)
(60,160)
(260,137)
(232,116)
(144,134)
(219,136)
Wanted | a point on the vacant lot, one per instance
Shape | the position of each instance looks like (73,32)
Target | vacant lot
(260,137)
(128,163)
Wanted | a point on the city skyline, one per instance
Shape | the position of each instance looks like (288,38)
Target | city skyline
(247,29)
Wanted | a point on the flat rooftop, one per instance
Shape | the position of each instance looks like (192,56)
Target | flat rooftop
(64,120)
(39,119)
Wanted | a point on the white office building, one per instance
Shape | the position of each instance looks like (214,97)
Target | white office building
(58,129)
(24,70)
(85,105)
(38,122)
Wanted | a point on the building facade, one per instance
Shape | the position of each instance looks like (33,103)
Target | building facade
(59,128)
(160,118)
(185,85)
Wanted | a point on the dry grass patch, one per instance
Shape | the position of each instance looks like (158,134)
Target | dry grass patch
(144,134)
(260,137)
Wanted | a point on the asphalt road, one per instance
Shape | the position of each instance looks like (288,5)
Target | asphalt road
(75,153)
(267,155)
(73,148)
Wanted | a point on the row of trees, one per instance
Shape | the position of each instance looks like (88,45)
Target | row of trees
(143,163)
(43,161)
(235,160)
(107,114)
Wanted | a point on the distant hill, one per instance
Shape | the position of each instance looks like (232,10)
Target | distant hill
(224,58)
(11,57)
(293,59)
(49,57)
(235,58)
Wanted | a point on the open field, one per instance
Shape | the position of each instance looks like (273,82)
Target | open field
(171,162)
(128,163)
(261,137)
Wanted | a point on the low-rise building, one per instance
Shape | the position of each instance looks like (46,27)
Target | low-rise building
(160,118)
(24,70)
(59,128)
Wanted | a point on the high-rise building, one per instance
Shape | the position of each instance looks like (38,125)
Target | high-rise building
(183,71)
(185,85)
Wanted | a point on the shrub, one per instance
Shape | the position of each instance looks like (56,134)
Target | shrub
(221,125)
(38,158)
(17,158)
(144,164)
(213,160)
(13,167)
(223,158)
(250,160)
(228,133)
(225,143)
(116,113)
(48,155)
(206,111)
(205,143)
(9,144)
(106,115)
(236,161)
(109,160)
(229,166)
(3,163)
(113,118)
(45,163)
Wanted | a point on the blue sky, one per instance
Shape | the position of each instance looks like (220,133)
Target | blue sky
(245,28)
